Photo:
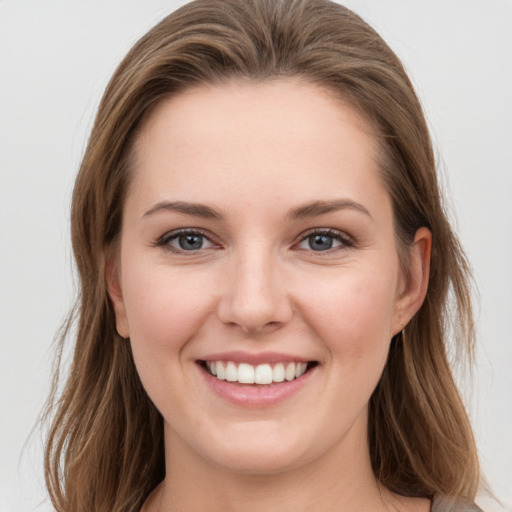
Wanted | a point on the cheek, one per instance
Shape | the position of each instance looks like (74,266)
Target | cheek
(352,313)
(164,308)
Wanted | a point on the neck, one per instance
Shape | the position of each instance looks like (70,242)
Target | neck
(340,479)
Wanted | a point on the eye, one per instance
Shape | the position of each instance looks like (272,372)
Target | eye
(324,240)
(185,241)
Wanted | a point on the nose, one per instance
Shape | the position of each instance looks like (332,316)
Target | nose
(255,297)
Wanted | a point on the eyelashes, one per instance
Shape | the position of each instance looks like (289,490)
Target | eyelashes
(186,240)
(194,241)
(324,240)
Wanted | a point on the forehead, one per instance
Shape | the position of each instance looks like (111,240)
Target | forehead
(214,109)
(285,135)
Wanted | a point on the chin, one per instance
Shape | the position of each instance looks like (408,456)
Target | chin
(265,454)
(258,463)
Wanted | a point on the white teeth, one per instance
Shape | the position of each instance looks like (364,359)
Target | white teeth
(300,368)
(263,374)
(290,371)
(246,373)
(212,367)
(221,371)
(231,372)
(278,372)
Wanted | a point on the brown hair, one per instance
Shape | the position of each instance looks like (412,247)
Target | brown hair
(105,446)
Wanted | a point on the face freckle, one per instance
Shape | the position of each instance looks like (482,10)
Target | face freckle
(257,231)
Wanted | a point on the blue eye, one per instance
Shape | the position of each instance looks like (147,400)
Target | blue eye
(324,240)
(320,242)
(185,241)
(191,242)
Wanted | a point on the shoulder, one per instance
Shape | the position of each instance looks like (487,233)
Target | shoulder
(446,504)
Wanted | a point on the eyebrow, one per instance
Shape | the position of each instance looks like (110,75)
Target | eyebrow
(306,211)
(196,209)
(317,208)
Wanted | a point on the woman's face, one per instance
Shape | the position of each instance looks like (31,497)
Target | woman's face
(258,244)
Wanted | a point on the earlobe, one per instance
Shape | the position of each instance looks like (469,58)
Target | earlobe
(415,290)
(112,274)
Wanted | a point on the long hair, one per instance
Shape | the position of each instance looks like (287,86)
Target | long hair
(105,446)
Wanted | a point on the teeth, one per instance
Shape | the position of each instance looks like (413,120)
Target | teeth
(212,367)
(220,371)
(263,374)
(246,373)
(289,373)
(300,369)
(231,372)
(278,372)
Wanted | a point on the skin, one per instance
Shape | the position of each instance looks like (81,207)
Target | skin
(254,152)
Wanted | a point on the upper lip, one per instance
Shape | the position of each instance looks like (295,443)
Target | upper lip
(255,358)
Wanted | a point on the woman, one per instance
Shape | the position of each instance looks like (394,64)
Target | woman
(265,267)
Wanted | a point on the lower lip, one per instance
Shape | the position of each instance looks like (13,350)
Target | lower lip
(252,396)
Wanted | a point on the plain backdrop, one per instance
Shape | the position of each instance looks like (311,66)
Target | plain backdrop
(55,60)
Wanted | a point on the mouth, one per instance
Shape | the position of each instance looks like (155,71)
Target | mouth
(266,374)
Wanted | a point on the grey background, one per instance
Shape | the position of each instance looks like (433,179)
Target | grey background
(55,59)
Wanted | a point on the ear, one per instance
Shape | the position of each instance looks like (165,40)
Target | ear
(414,288)
(115,292)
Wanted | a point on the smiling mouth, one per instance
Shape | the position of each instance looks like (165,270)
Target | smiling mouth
(261,374)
